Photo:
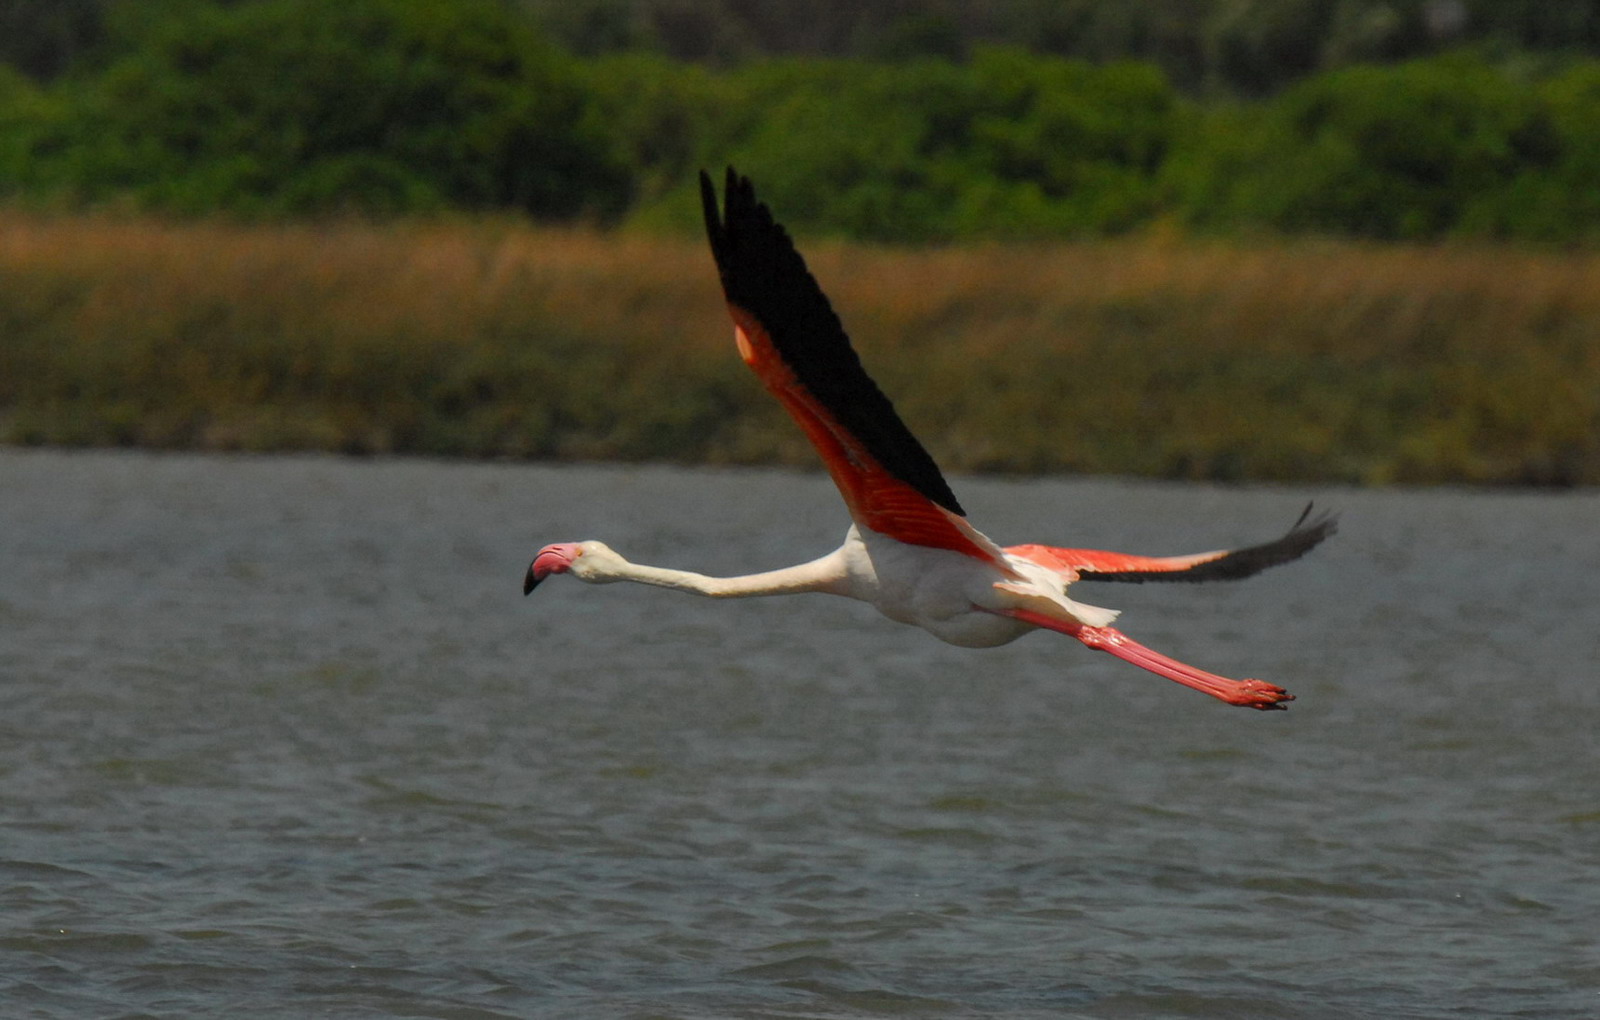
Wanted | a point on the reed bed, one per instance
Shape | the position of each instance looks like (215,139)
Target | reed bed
(1269,360)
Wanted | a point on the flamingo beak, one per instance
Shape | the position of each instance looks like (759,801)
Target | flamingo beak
(552,559)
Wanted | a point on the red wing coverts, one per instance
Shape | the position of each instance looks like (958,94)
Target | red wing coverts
(790,336)
(1222,565)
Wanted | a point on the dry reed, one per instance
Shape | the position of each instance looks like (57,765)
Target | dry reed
(1268,360)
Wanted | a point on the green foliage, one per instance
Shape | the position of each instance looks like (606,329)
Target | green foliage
(42,38)
(1072,148)
(22,108)
(1557,197)
(1239,47)
(1419,150)
(1008,144)
(296,106)
(1012,145)
(668,119)
(1210,47)
(272,108)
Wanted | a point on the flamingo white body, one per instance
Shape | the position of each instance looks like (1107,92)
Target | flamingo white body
(910,552)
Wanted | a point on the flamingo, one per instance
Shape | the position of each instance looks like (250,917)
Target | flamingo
(909,550)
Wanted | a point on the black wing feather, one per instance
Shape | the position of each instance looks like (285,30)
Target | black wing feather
(763,273)
(1307,532)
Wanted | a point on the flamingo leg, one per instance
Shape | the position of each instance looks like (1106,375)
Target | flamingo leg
(1246,693)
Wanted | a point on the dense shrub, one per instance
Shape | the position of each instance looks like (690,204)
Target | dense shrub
(1419,150)
(291,107)
(1239,47)
(1207,47)
(1007,144)
(668,119)
(1557,197)
(301,106)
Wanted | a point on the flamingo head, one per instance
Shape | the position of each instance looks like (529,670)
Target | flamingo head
(587,561)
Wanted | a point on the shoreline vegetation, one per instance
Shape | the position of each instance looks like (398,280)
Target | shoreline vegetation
(1094,237)
(1289,360)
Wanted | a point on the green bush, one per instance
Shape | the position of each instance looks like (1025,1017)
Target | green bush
(1557,196)
(1070,148)
(23,110)
(668,119)
(298,106)
(1414,151)
(1007,145)
(278,108)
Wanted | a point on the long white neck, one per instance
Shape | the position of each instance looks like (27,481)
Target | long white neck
(825,574)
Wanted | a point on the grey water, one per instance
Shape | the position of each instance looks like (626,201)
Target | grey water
(281,737)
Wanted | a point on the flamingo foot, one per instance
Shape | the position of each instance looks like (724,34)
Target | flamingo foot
(1259,694)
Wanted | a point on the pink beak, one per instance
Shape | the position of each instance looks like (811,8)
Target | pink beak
(552,559)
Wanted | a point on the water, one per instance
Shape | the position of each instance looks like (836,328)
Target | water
(281,738)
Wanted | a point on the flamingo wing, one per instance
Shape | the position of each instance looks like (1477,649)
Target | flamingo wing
(788,333)
(1221,565)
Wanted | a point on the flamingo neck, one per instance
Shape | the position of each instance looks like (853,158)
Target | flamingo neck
(826,574)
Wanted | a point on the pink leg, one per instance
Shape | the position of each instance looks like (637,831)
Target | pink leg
(1247,693)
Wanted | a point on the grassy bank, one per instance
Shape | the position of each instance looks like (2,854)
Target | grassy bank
(1277,360)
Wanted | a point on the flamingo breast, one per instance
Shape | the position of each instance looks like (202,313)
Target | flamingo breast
(938,590)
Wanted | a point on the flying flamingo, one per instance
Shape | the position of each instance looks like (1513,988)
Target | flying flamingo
(910,550)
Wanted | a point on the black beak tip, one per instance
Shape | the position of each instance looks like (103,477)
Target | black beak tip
(530,582)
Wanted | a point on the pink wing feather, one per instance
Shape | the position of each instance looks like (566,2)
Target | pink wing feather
(1220,565)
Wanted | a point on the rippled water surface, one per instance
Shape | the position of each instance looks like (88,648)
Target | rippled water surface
(282,738)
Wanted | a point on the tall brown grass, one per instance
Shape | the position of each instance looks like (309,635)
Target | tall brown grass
(1266,360)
